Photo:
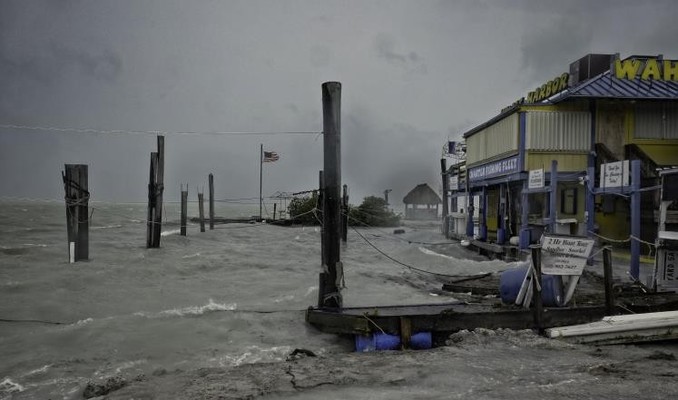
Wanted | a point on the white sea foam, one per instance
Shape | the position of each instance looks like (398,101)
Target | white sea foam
(199,310)
(433,253)
(9,386)
(170,232)
(211,306)
(83,322)
(106,226)
(191,255)
(34,245)
(40,370)
(311,290)
(255,354)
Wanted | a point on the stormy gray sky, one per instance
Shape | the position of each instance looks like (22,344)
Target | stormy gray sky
(414,74)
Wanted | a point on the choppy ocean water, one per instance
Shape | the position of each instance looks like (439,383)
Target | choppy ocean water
(216,314)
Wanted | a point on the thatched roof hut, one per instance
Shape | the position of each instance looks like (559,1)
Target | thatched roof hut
(418,203)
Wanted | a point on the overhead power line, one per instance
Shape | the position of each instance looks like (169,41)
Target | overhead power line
(155,132)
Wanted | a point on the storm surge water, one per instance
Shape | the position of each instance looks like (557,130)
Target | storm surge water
(230,303)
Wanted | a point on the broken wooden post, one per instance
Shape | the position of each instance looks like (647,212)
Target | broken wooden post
(184,209)
(608,276)
(344,215)
(77,218)
(211,183)
(536,288)
(332,275)
(201,211)
(155,190)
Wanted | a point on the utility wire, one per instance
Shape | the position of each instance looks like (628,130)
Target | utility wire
(155,132)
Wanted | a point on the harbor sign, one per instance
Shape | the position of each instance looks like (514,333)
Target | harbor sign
(565,255)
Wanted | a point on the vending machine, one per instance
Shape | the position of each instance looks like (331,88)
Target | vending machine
(666,259)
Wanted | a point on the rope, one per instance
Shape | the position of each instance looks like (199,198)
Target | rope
(373,323)
(410,267)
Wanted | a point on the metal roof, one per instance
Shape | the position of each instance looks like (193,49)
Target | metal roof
(607,86)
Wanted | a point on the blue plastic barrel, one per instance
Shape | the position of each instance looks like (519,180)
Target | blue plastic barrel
(384,341)
(376,341)
(511,280)
(421,341)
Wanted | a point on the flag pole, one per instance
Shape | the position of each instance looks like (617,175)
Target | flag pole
(261,163)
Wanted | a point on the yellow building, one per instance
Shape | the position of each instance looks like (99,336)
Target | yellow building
(554,160)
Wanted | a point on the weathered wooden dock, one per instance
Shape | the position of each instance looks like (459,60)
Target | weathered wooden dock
(443,318)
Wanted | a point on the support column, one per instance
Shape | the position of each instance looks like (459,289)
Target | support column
(482,231)
(524,214)
(590,201)
(553,196)
(634,268)
(501,222)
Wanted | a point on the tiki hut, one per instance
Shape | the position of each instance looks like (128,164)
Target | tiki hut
(418,203)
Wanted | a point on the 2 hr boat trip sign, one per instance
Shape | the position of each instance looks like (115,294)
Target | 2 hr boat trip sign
(565,255)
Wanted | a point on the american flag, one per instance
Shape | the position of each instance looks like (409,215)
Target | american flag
(271,156)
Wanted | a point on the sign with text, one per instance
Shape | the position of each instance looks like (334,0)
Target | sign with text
(454,182)
(614,174)
(564,255)
(536,179)
(496,168)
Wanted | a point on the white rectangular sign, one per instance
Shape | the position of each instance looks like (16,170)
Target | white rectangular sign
(536,179)
(667,273)
(564,255)
(454,182)
(614,174)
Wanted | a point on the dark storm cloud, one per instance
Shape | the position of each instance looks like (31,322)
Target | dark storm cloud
(414,75)
(385,47)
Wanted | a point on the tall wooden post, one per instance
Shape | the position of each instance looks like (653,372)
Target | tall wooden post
(211,184)
(446,192)
(332,275)
(201,211)
(607,275)
(536,288)
(155,190)
(322,228)
(184,209)
(159,187)
(150,221)
(275,208)
(77,216)
(344,214)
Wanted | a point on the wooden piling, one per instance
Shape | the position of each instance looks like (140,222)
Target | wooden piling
(211,184)
(150,220)
(184,209)
(329,291)
(446,191)
(159,188)
(201,211)
(344,215)
(77,216)
(319,214)
(155,191)
(538,311)
(608,276)
(275,208)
